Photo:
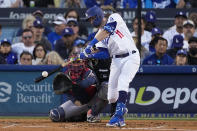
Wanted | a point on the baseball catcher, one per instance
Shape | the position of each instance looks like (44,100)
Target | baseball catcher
(79,84)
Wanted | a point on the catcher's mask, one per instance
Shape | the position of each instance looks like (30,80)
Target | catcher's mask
(77,65)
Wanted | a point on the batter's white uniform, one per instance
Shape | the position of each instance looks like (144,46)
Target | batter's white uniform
(122,70)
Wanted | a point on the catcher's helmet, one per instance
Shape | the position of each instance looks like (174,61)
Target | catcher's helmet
(97,12)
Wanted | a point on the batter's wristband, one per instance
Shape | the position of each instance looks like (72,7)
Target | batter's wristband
(93,42)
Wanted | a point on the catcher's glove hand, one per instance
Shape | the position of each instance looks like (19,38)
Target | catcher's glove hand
(61,84)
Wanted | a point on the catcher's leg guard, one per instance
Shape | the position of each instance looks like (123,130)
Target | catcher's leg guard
(57,114)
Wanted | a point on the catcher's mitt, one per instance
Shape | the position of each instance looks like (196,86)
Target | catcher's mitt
(61,83)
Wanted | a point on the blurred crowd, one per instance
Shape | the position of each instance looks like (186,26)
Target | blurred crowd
(38,44)
(90,3)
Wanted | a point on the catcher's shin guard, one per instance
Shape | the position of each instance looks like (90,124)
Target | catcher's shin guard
(57,114)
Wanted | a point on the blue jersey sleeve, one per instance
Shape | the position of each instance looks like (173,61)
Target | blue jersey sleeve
(88,80)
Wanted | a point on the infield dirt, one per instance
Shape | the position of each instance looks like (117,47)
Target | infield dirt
(132,125)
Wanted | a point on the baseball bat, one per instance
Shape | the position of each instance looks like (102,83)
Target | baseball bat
(40,78)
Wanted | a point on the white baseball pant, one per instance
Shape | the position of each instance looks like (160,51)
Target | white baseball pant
(122,72)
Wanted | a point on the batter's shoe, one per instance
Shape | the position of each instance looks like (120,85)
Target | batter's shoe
(91,118)
(118,118)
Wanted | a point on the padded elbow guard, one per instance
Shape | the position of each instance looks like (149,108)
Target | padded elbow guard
(110,27)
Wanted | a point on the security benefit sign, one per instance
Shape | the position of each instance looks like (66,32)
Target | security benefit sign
(19,95)
(154,93)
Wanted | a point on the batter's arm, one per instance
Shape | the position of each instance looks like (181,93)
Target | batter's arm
(106,31)
(101,34)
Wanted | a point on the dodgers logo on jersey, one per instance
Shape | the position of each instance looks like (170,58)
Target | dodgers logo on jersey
(111,19)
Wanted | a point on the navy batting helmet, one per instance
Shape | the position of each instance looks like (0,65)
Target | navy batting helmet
(96,12)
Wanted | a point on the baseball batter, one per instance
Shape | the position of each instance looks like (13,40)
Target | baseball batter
(116,36)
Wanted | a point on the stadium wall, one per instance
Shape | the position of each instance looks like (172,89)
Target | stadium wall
(157,91)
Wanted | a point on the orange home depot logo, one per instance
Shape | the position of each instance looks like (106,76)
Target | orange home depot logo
(5,91)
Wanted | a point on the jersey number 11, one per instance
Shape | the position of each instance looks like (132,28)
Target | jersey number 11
(119,34)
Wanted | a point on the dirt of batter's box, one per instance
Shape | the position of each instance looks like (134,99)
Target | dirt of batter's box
(132,125)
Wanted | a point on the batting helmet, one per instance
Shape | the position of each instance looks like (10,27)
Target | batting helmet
(96,12)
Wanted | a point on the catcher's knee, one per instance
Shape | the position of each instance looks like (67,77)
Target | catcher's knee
(57,114)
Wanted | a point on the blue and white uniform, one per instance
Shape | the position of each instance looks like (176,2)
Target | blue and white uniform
(125,57)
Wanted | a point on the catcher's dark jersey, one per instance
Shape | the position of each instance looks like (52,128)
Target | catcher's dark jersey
(102,69)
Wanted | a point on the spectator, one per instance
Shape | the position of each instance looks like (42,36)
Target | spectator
(26,58)
(38,14)
(193,17)
(39,3)
(187,4)
(79,43)
(188,31)
(2,60)
(64,46)
(131,4)
(0,30)
(59,26)
(27,43)
(58,3)
(156,32)
(91,3)
(150,18)
(52,58)
(11,3)
(145,35)
(6,53)
(161,3)
(150,3)
(72,4)
(180,17)
(192,54)
(72,23)
(72,13)
(26,24)
(159,57)
(39,54)
(181,57)
(177,44)
(38,30)
(143,51)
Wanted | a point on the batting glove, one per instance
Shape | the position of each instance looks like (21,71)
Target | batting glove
(88,49)
(83,56)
